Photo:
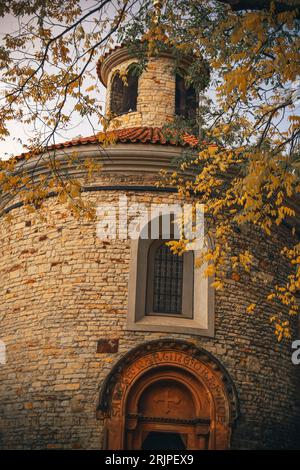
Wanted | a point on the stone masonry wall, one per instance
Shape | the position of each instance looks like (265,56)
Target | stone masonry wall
(156,95)
(63,289)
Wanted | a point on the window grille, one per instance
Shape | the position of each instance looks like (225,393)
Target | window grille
(167,280)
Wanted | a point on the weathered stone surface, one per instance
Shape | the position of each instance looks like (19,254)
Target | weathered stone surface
(62,289)
(49,386)
(156,103)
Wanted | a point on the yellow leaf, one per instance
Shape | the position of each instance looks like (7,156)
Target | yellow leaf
(251,308)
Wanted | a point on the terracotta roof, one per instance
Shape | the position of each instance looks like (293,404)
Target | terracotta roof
(143,135)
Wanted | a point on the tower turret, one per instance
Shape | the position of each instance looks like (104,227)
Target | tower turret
(151,99)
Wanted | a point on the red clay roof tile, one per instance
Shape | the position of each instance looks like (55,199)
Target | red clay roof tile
(145,135)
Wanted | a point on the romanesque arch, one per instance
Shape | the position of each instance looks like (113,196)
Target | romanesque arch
(170,392)
(123,94)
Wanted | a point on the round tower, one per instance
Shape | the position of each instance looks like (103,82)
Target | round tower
(151,98)
(111,343)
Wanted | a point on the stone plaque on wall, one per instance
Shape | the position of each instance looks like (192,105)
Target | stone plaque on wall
(108,345)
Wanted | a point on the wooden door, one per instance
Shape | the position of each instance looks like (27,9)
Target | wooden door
(167,419)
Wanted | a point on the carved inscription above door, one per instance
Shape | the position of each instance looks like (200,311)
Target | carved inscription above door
(169,389)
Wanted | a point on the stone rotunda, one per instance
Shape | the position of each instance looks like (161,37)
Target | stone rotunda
(115,344)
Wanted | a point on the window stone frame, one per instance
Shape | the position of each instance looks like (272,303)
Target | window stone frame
(203,318)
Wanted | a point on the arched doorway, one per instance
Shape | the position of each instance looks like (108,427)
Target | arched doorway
(168,395)
(169,401)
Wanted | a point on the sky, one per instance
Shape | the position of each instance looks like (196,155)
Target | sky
(20,133)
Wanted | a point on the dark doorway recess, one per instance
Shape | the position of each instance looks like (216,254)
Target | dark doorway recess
(163,441)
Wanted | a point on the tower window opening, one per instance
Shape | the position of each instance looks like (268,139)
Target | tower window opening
(124,94)
(185,99)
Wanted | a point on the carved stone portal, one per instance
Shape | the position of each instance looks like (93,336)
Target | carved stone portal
(168,395)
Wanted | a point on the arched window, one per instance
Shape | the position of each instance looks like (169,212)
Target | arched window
(185,99)
(166,277)
(168,293)
(123,98)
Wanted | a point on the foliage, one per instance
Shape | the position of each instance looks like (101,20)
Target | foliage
(246,153)
(48,82)
(247,157)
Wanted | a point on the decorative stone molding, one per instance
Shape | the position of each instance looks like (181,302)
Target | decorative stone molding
(198,307)
(117,56)
(180,364)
